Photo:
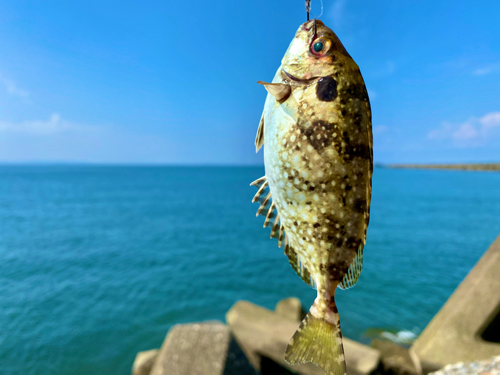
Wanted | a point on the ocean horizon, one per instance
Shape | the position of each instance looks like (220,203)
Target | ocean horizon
(97,262)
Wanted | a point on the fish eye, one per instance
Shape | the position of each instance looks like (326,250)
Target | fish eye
(320,46)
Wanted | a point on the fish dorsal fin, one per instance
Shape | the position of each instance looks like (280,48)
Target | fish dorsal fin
(259,139)
(298,265)
(352,275)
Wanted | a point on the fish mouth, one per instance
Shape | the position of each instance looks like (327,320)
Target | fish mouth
(299,80)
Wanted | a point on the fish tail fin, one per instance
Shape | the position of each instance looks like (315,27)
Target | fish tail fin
(318,340)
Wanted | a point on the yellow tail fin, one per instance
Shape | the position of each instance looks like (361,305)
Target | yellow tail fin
(320,342)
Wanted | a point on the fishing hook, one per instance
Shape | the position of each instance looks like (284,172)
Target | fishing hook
(308,10)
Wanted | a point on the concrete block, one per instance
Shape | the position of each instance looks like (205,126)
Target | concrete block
(144,362)
(263,334)
(290,308)
(200,349)
(397,360)
(466,328)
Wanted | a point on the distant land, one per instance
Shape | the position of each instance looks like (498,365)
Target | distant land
(469,167)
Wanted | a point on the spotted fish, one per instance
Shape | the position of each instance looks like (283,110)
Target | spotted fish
(316,132)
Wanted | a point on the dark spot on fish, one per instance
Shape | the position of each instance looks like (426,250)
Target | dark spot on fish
(295,223)
(297,148)
(349,150)
(308,202)
(316,225)
(326,89)
(321,129)
(357,92)
(326,125)
(348,187)
(311,188)
(335,272)
(360,205)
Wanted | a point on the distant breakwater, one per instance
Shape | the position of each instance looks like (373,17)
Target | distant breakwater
(467,167)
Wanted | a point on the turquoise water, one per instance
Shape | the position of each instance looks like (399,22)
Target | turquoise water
(96,263)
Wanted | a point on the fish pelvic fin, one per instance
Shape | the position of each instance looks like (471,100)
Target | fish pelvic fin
(259,138)
(318,340)
(280,91)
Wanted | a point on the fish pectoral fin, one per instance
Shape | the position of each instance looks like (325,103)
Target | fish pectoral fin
(298,265)
(352,275)
(281,91)
(318,341)
(259,139)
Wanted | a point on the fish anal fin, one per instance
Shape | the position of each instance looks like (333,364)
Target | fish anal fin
(352,275)
(320,342)
(298,265)
(259,138)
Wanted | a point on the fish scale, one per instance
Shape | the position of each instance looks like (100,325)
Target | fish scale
(316,133)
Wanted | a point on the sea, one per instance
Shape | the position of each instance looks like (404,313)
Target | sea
(98,262)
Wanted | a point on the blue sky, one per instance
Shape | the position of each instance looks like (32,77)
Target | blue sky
(175,82)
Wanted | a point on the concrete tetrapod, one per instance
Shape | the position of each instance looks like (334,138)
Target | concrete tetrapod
(263,334)
(467,328)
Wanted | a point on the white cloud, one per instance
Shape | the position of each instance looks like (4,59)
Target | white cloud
(380,129)
(338,13)
(487,69)
(58,140)
(482,71)
(12,88)
(444,132)
(474,132)
(385,69)
(54,124)
(372,94)
(491,120)
(466,131)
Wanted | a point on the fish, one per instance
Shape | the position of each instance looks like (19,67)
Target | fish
(316,131)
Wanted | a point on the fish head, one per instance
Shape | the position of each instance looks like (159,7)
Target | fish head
(314,52)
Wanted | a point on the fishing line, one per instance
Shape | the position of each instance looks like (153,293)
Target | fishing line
(315,16)
(308,9)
